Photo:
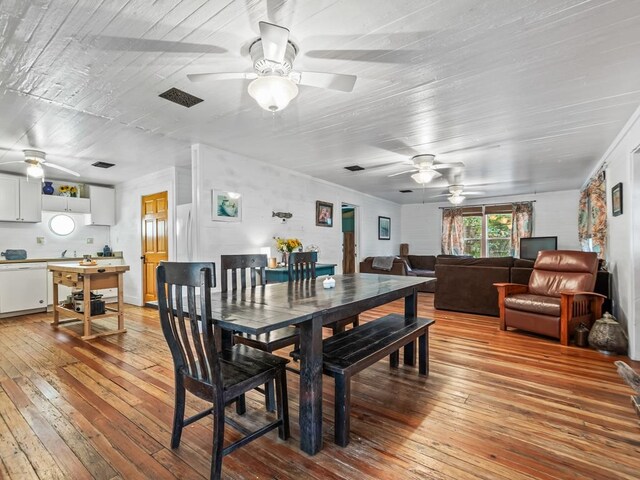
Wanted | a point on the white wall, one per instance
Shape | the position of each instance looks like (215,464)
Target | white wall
(23,236)
(623,252)
(266,188)
(126,234)
(555,214)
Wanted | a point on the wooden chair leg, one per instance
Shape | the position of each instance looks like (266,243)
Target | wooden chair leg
(282,401)
(178,412)
(394,359)
(218,441)
(241,406)
(423,360)
(269,396)
(342,409)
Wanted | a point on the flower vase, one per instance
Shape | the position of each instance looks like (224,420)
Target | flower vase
(285,258)
(47,188)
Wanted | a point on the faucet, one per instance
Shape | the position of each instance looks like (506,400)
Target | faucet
(63,253)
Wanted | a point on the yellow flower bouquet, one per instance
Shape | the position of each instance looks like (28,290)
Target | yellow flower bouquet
(287,244)
(68,191)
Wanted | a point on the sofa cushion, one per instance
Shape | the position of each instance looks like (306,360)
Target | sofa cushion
(534,304)
(422,262)
(423,272)
(476,262)
(522,263)
(558,270)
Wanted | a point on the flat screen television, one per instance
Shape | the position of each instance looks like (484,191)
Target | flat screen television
(529,247)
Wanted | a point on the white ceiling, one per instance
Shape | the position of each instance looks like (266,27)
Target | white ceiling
(528,94)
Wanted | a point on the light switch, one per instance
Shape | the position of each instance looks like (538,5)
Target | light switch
(89,240)
(40,240)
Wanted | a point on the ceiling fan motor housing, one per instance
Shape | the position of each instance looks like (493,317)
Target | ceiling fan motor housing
(263,66)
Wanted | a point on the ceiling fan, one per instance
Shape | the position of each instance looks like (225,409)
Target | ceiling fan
(274,82)
(457,194)
(35,161)
(426,169)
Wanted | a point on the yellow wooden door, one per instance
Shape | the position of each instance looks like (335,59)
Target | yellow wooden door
(155,235)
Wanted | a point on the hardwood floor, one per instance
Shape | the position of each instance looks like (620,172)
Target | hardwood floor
(496,405)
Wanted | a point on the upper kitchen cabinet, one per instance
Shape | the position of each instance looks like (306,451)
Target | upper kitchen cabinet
(20,199)
(103,206)
(57,203)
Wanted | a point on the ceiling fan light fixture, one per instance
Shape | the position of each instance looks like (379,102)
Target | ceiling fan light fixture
(424,176)
(35,170)
(273,92)
(456,199)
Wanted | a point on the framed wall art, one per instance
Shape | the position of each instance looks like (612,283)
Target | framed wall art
(226,206)
(384,228)
(616,199)
(324,214)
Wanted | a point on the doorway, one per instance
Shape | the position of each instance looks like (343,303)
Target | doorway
(155,235)
(349,240)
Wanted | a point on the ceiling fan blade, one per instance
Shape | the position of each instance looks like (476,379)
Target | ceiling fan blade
(402,173)
(131,44)
(376,56)
(331,81)
(441,166)
(13,161)
(274,41)
(473,193)
(58,167)
(207,77)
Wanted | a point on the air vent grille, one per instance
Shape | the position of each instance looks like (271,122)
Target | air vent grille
(181,98)
(103,164)
(354,168)
(406,191)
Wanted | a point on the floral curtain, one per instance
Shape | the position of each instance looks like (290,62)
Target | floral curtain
(452,231)
(522,224)
(592,216)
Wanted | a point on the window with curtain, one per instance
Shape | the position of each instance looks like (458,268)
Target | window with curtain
(592,216)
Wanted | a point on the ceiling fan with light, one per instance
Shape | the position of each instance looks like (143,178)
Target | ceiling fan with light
(35,161)
(274,82)
(426,169)
(457,194)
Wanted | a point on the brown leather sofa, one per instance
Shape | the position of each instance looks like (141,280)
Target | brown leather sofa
(558,297)
(402,266)
(399,267)
(466,284)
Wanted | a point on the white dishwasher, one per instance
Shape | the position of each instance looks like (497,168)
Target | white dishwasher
(23,286)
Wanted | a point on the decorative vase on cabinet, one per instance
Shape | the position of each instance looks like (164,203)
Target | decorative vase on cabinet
(47,188)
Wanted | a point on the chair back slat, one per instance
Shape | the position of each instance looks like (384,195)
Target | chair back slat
(302,265)
(239,267)
(187,326)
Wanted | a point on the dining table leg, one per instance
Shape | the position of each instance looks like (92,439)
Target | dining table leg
(410,311)
(311,385)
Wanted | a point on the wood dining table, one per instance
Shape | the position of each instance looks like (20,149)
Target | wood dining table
(309,305)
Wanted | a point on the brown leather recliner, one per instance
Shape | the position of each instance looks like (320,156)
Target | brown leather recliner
(558,298)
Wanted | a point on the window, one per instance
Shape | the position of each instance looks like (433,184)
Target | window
(487,231)
(62,224)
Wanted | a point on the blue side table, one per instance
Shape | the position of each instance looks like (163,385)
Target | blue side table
(281,274)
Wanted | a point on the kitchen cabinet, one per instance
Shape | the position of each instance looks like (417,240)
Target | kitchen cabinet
(103,206)
(57,203)
(23,286)
(20,199)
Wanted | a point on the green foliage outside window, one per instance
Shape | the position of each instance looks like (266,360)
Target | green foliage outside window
(498,235)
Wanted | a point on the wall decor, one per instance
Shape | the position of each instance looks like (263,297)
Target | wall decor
(616,199)
(226,206)
(384,228)
(324,214)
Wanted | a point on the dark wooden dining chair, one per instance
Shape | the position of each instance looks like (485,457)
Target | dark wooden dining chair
(239,272)
(216,376)
(302,266)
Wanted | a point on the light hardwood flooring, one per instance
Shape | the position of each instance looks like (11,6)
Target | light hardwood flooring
(496,405)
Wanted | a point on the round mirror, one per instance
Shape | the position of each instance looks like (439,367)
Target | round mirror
(62,224)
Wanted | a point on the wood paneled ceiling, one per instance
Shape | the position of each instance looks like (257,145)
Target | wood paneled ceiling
(528,94)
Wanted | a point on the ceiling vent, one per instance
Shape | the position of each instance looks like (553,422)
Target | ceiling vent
(181,98)
(406,191)
(354,168)
(103,164)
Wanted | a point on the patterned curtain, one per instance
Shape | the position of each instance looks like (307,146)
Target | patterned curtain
(522,224)
(452,231)
(592,216)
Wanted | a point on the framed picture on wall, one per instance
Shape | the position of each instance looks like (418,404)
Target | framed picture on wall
(384,228)
(226,206)
(616,199)
(324,214)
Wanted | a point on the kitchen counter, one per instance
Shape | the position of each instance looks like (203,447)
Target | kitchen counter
(54,259)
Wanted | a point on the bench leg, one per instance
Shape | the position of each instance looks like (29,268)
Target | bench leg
(423,342)
(410,354)
(394,359)
(342,409)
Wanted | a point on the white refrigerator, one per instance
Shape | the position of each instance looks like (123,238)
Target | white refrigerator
(184,233)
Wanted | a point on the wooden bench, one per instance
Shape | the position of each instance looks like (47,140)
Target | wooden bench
(351,351)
